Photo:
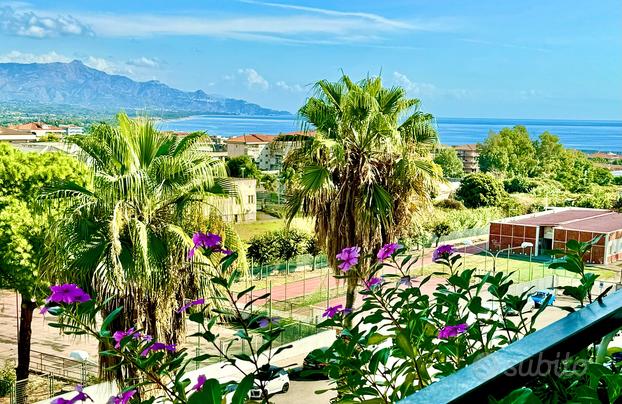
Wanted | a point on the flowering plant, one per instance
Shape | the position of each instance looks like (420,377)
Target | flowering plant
(156,370)
(408,333)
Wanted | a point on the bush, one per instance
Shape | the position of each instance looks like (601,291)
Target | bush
(450,204)
(519,184)
(601,176)
(511,207)
(617,180)
(7,378)
(480,189)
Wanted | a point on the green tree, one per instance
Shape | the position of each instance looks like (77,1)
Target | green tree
(601,176)
(575,172)
(126,234)
(510,151)
(479,189)
(448,159)
(440,229)
(23,229)
(243,167)
(549,154)
(364,174)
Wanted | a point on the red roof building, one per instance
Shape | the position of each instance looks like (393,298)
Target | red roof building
(551,229)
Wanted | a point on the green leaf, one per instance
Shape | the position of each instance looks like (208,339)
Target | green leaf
(109,319)
(209,394)
(241,391)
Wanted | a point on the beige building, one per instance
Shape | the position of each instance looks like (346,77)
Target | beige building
(15,135)
(469,155)
(267,151)
(243,208)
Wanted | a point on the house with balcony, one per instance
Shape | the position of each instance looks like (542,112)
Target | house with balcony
(267,151)
(469,155)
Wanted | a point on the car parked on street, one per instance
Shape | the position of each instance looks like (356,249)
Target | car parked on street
(540,297)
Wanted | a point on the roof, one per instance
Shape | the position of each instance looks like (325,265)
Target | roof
(608,156)
(471,146)
(34,126)
(594,220)
(13,132)
(252,138)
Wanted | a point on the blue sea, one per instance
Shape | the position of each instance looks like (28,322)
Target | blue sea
(582,135)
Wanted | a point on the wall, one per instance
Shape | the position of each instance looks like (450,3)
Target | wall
(614,247)
(502,235)
(597,253)
(243,209)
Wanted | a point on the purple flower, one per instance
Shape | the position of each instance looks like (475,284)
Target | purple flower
(158,346)
(226,251)
(210,240)
(264,322)
(119,335)
(407,280)
(332,311)
(192,303)
(68,293)
(452,331)
(44,310)
(200,382)
(370,283)
(442,252)
(81,396)
(349,257)
(122,398)
(387,251)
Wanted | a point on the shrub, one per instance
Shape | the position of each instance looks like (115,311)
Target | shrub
(617,180)
(519,184)
(480,189)
(601,176)
(450,204)
(7,378)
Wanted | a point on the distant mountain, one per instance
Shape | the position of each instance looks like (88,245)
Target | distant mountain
(79,85)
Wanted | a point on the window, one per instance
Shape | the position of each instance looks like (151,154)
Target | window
(251,199)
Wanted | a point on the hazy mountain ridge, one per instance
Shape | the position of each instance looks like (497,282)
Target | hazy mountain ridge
(77,84)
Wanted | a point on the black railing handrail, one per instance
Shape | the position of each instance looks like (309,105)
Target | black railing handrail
(501,372)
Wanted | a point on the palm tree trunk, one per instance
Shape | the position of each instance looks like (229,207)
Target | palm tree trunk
(23,347)
(351,284)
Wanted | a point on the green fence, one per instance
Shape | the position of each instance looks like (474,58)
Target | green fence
(300,262)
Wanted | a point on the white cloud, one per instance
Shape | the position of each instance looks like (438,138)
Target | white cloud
(414,87)
(423,90)
(144,62)
(20,57)
(253,79)
(287,87)
(30,24)
(99,63)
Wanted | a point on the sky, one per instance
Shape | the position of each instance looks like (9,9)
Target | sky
(558,59)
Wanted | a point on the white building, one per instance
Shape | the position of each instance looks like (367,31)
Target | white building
(244,207)
(72,129)
(267,151)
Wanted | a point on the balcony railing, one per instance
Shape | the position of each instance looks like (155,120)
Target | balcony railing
(503,371)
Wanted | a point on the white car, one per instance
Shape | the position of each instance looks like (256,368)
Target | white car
(277,382)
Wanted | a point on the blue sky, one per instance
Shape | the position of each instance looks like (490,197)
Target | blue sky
(503,59)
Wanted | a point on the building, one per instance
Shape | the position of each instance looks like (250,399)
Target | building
(39,128)
(469,155)
(14,135)
(72,129)
(551,229)
(242,208)
(267,151)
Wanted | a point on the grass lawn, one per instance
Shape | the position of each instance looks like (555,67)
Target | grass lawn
(250,229)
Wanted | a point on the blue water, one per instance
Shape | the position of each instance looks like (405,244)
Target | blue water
(582,135)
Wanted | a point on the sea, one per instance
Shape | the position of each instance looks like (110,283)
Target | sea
(588,136)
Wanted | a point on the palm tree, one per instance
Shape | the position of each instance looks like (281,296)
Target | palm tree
(126,235)
(367,170)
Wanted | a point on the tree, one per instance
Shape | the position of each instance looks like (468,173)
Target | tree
(23,229)
(575,170)
(479,189)
(313,249)
(601,176)
(364,174)
(510,151)
(440,229)
(448,159)
(243,167)
(126,234)
(549,154)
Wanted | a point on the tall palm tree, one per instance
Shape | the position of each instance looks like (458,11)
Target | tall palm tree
(367,170)
(126,235)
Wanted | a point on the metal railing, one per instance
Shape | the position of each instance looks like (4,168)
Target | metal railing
(513,366)
(62,368)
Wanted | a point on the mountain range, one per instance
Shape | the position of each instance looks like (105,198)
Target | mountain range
(79,85)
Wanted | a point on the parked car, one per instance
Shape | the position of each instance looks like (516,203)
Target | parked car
(277,381)
(541,296)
